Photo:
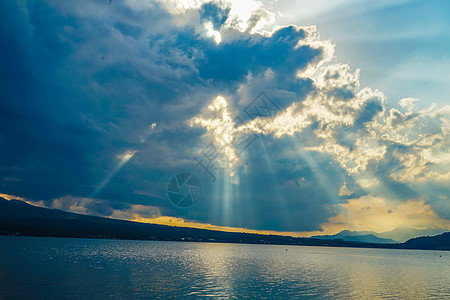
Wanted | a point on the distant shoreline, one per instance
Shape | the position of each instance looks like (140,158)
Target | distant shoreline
(18,218)
(332,245)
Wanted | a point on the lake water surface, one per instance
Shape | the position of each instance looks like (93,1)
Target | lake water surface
(38,268)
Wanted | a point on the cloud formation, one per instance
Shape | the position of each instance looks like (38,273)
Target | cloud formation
(356,128)
(102,104)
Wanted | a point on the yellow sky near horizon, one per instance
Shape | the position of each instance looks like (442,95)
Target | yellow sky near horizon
(366,213)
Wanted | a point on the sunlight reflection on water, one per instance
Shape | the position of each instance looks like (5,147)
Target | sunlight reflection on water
(53,267)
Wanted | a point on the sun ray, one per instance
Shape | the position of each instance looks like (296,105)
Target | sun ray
(124,158)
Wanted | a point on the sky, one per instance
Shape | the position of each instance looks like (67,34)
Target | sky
(292,117)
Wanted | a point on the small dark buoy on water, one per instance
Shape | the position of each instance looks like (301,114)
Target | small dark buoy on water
(286,249)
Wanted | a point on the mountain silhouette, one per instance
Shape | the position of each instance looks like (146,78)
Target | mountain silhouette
(398,235)
(20,218)
(356,236)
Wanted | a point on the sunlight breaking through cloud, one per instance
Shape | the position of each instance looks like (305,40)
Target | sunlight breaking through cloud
(355,127)
(134,78)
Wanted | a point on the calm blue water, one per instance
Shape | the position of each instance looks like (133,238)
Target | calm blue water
(38,268)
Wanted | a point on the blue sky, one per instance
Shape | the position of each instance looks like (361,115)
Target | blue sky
(401,47)
(102,104)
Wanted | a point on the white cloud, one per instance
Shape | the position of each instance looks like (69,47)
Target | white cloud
(344,191)
(220,127)
(339,111)
(210,32)
(313,40)
(244,15)
(408,103)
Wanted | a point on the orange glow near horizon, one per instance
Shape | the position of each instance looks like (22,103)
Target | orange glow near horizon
(379,218)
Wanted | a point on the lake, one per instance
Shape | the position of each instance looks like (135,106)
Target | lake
(49,268)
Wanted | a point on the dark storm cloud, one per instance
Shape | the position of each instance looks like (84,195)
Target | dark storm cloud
(42,128)
(79,89)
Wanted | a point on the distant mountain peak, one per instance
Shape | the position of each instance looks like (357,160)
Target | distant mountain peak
(356,236)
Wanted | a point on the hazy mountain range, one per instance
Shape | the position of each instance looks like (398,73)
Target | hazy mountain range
(398,235)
